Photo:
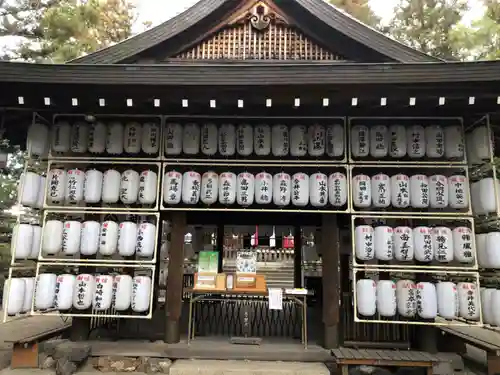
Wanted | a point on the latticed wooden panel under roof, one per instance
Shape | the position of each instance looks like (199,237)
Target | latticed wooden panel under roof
(245,42)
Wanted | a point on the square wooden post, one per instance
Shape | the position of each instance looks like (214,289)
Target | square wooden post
(330,253)
(173,303)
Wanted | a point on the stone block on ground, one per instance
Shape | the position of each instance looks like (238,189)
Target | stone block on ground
(117,364)
(73,351)
(215,367)
(46,361)
(65,367)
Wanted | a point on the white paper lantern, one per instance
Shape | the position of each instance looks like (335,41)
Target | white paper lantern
(318,189)
(227,140)
(487,202)
(415,136)
(434,136)
(481,143)
(141,293)
(89,238)
(150,143)
(337,189)
(98,133)
(173,139)
(282,188)
(364,242)
(400,191)
(495,308)
(468,301)
(419,191)
(108,241)
(244,139)
(262,140)
(245,189)
(209,139)
(458,192)
(487,305)
(475,199)
(79,137)
(493,249)
(172,187)
(65,287)
(71,237)
(447,298)
(453,142)
(127,238)
(439,191)
(463,245)
(426,300)
(403,244)
(379,141)
(316,143)
(227,188)
(300,189)
(38,139)
(442,241)
(406,298)
(191,186)
(75,179)
(45,291)
(386,298)
(103,292)
(52,237)
(111,186)
(424,246)
(360,142)
(22,241)
(29,293)
(56,185)
(92,187)
(398,143)
(384,243)
(61,137)
(40,200)
(37,241)
(114,139)
(132,139)
(280,140)
(14,290)
(146,240)
(209,187)
(83,292)
(366,297)
(361,191)
(335,140)
(148,184)
(191,139)
(122,292)
(298,140)
(381,190)
(482,255)
(129,186)
(263,188)
(29,186)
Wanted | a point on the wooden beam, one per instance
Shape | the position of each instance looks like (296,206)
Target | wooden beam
(297,257)
(330,251)
(175,278)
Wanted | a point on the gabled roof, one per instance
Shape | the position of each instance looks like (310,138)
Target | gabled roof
(314,16)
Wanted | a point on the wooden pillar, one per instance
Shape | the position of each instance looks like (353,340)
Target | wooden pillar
(297,257)
(175,278)
(220,246)
(331,280)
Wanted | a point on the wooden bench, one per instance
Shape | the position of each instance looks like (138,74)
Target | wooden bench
(25,336)
(346,357)
(481,338)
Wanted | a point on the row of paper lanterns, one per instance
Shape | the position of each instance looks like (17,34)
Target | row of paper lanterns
(88,238)
(423,244)
(426,300)
(79,292)
(379,141)
(245,189)
(417,191)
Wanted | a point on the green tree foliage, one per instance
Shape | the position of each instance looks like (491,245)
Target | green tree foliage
(60,30)
(430,26)
(359,9)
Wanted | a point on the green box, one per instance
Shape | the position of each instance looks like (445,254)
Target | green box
(208,262)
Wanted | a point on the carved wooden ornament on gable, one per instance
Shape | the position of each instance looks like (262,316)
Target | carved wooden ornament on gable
(259,31)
